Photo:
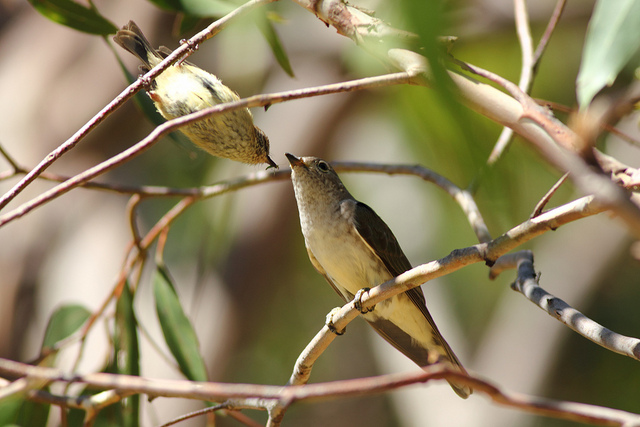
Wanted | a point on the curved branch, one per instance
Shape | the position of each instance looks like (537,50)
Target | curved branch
(462,197)
(527,284)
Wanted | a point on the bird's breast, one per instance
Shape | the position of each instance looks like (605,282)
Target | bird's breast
(344,256)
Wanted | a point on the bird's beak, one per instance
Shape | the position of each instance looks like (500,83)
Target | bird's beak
(294,161)
(271,163)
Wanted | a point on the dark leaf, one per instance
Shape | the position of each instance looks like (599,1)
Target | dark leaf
(177,329)
(75,15)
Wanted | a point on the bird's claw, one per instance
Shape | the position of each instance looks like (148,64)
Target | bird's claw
(357,301)
(330,325)
(147,83)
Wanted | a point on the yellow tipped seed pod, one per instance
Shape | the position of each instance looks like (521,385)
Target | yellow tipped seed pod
(184,88)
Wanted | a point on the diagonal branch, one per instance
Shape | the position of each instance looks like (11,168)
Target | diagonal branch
(172,125)
(527,284)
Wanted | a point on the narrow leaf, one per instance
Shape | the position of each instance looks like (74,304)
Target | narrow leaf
(63,322)
(126,353)
(10,408)
(613,36)
(266,28)
(75,15)
(33,414)
(201,8)
(177,329)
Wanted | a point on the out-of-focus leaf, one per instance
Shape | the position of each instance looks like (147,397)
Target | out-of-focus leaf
(75,15)
(201,8)
(33,414)
(9,409)
(177,329)
(187,23)
(266,28)
(64,322)
(126,352)
(612,38)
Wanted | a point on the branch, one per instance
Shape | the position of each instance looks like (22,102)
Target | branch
(210,391)
(462,197)
(530,61)
(555,141)
(545,199)
(175,124)
(526,72)
(527,284)
(559,144)
(192,195)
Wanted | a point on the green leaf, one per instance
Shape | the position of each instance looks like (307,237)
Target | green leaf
(64,322)
(10,408)
(613,36)
(126,352)
(201,8)
(177,329)
(33,414)
(187,23)
(75,15)
(266,28)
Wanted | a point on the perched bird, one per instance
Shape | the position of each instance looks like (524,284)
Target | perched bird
(184,88)
(352,247)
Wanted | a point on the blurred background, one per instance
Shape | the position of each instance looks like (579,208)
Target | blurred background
(239,261)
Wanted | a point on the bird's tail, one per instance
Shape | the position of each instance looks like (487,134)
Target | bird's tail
(461,390)
(131,38)
(451,359)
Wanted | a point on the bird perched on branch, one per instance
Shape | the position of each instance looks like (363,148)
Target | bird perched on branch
(183,89)
(352,247)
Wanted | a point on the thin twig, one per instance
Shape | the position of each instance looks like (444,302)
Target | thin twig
(526,72)
(12,162)
(462,197)
(530,61)
(545,199)
(546,36)
(222,407)
(606,126)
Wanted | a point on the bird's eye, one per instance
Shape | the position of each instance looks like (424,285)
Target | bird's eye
(323,166)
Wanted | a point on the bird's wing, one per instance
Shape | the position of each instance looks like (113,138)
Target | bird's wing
(377,235)
(375,232)
(347,296)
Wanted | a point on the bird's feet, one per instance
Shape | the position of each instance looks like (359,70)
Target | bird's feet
(329,322)
(357,301)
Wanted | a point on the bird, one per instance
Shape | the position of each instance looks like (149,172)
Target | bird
(353,248)
(183,89)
